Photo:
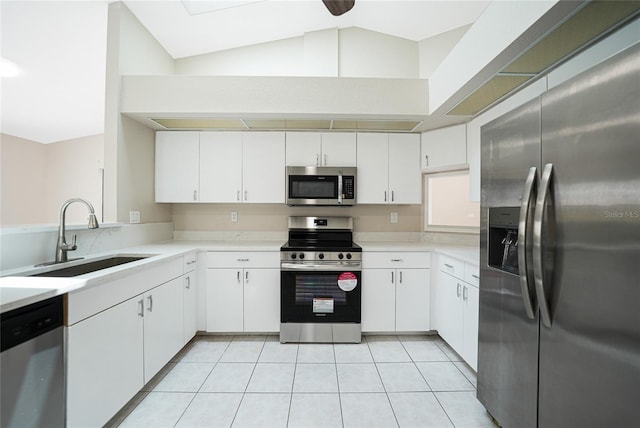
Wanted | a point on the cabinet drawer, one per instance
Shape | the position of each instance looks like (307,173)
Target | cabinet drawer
(249,259)
(472,274)
(396,259)
(190,261)
(451,266)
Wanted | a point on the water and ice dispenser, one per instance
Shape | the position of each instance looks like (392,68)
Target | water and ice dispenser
(503,238)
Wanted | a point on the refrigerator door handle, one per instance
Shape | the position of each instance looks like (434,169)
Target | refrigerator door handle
(523,225)
(538,268)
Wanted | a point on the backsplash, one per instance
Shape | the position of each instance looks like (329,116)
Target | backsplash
(25,246)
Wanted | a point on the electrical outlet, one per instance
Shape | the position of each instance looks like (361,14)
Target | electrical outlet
(134,217)
(234,216)
(394,217)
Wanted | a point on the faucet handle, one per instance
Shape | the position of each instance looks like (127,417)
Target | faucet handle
(73,246)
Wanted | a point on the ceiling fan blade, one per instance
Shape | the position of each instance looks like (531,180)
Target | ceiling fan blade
(339,7)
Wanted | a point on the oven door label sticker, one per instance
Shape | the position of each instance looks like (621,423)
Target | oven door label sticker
(322,305)
(347,281)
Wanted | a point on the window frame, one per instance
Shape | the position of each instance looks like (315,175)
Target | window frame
(449,228)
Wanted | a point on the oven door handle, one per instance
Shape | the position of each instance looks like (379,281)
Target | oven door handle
(295,267)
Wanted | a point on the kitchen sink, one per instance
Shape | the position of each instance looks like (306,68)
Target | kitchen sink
(90,266)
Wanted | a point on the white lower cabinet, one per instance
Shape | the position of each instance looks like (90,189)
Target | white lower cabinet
(395,299)
(105,364)
(115,349)
(163,326)
(456,308)
(243,292)
(189,284)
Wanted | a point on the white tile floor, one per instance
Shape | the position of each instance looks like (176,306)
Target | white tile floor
(255,381)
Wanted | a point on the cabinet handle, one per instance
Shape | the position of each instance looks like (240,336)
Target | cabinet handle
(325,160)
(245,195)
(191,262)
(458,291)
(237,195)
(449,266)
(385,196)
(392,281)
(400,277)
(141,303)
(242,260)
(195,195)
(188,282)
(393,197)
(426,158)
(150,308)
(465,293)
(238,276)
(475,276)
(246,277)
(396,260)
(317,159)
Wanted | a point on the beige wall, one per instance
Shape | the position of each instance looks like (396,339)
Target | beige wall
(22,177)
(273,217)
(37,178)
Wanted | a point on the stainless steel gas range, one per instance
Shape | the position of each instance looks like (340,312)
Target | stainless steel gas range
(320,282)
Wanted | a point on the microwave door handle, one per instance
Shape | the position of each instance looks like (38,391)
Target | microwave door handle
(340,189)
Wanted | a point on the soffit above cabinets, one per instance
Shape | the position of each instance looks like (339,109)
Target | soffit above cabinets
(229,124)
(576,32)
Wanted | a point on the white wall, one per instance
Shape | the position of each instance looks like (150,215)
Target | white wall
(434,50)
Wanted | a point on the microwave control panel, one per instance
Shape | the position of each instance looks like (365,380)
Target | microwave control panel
(348,187)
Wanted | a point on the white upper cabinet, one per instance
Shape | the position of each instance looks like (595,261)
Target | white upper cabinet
(388,168)
(177,166)
(405,177)
(321,149)
(220,166)
(263,172)
(227,167)
(338,149)
(444,147)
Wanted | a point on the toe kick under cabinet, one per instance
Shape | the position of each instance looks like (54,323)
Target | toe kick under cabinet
(120,334)
(243,291)
(395,291)
(455,312)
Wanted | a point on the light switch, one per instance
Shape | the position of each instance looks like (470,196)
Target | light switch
(394,217)
(134,217)
(234,216)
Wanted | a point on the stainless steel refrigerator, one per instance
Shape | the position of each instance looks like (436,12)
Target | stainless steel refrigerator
(559,327)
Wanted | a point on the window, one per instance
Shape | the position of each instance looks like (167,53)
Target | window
(447,205)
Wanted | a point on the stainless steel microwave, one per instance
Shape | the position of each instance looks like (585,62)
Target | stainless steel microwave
(321,185)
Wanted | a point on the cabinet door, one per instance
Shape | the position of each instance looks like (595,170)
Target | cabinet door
(224,300)
(263,172)
(444,147)
(104,363)
(262,300)
(163,325)
(338,149)
(470,331)
(405,176)
(220,166)
(373,168)
(412,300)
(378,300)
(303,148)
(189,307)
(177,166)
(450,310)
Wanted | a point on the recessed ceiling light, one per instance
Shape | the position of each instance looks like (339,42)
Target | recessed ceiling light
(8,68)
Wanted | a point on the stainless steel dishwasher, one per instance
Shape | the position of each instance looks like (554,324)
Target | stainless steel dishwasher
(32,365)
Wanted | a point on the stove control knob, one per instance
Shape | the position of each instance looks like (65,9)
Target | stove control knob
(348,256)
(341,256)
(321,256)
(293,256)
(301,256)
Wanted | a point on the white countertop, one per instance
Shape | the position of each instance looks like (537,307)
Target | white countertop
(18,290)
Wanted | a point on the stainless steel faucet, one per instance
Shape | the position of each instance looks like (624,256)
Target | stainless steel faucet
(62,247)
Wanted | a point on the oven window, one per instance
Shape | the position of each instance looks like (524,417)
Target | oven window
(302,187)
(312,286)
